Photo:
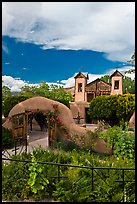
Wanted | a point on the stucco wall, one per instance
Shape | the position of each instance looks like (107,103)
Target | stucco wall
(80,96)
(116,91)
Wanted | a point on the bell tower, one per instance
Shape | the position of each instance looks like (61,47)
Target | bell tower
(80,84)
(117,83)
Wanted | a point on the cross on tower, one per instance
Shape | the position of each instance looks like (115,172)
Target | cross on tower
(78,118)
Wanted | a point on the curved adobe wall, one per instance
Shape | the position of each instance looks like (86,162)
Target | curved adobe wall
(44,104)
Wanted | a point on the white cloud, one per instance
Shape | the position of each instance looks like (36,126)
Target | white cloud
(5,48)
(101,26)
(15,84)
(7,63)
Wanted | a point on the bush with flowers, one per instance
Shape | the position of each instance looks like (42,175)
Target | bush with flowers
(54,120)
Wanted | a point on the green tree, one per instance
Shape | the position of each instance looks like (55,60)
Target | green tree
(113,109)
(28,91)
(49,91)
(42,90)
(5,93)
(10,102)
(128,85)
(106,78)
(59,94)
(52,91)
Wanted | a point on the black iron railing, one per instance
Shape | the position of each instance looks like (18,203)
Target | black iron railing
(93,169)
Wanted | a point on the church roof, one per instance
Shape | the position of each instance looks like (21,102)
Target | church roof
(116,73)
(97,80)
(82,74)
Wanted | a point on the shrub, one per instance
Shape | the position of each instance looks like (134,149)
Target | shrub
(6,138)
(112,109)
(85,141)
(75,187)
(122,141)
(66,145)
(10,102)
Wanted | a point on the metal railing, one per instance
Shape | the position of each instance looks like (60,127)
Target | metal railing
(94,171)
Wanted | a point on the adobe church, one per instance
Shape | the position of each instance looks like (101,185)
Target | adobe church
(84,92)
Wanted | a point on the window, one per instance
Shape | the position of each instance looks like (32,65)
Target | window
(80,87)
(116,85)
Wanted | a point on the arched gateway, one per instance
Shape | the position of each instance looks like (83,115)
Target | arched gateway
(66,128)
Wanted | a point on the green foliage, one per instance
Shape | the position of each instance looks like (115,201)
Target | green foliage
(6,138)
(59,94)
(25,180)
(66,145)
(126,106)
(14,180)
(85,141)
(106,78)
(112,108)
(10,102)
(128,85)
(5,93)
(53,118)
(53,92)
(37,183)
(122,141)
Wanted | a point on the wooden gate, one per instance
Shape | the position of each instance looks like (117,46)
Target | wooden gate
(52,131)
(20,129)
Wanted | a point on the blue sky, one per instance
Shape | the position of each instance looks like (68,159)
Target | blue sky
(42,42)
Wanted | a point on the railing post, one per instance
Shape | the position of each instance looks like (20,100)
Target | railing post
(15,147)
(123,185)
(26,143)
(58,173)
(92,179)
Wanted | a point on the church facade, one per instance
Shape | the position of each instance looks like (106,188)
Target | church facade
(84,92)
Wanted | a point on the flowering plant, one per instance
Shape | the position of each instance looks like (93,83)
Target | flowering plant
(53,118)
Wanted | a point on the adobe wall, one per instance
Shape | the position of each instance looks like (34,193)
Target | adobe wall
(132,121)
(117,91)
(80,96)
(76,107)
(44,104)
